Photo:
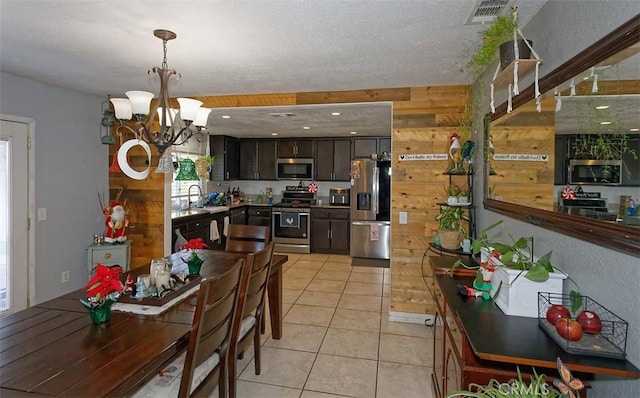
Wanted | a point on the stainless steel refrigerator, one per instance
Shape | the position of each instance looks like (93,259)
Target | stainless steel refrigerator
(370,209)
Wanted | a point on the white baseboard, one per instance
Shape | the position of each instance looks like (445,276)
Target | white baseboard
(409,317)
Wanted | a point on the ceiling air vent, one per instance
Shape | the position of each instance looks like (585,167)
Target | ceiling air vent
(282,114)
(484,11)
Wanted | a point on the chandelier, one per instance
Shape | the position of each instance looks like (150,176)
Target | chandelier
(176,126)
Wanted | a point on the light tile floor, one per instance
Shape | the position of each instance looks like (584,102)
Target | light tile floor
(337,338)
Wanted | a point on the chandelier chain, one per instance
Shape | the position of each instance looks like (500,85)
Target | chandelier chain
(164,58)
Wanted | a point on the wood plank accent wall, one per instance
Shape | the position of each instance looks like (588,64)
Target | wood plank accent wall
(423,120)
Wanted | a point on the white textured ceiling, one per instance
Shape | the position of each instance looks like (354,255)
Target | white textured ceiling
(241,47)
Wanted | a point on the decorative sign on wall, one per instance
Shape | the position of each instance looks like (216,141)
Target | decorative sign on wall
(518,157)
(424,156)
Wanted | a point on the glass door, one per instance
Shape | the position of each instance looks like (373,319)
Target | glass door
(13,217)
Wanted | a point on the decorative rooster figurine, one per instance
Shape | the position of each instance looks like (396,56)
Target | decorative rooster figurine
(468,150)
(454,153)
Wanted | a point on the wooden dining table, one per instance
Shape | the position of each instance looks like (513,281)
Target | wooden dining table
(53,348)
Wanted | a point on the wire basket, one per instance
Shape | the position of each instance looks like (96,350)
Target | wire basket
(610,342)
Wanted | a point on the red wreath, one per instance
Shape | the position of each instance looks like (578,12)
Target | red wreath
(568,193)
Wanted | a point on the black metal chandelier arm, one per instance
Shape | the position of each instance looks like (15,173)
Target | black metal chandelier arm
(185,134)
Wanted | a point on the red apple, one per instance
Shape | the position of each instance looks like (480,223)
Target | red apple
(569,328)
(557,311)
(590,321)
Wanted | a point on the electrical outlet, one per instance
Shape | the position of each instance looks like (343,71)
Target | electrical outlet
(65,276)
(403,217)
(42,213)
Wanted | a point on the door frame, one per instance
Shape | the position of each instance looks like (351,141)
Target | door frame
(31,125)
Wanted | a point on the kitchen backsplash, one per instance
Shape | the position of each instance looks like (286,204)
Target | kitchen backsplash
(252,188)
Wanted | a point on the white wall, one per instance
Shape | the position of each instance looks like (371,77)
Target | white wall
(70,168)
(559,31)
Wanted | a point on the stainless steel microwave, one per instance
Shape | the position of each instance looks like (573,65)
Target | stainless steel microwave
(599,172)
(294,169)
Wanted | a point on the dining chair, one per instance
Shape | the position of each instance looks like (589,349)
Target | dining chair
(251,315)
(204,364)
(247,238)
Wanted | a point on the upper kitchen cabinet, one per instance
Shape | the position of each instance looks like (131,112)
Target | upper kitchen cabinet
(366,146)
(258,159)
(226,151)
(333,160)
(384,145)
(295,148)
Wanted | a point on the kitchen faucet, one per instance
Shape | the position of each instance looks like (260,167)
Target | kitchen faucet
(199,197)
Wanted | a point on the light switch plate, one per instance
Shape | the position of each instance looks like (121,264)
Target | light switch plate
(403,217)
(42,213)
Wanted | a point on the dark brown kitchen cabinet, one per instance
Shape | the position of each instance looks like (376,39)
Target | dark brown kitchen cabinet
(257,159)
(364,147)
(333,160)
(259,215)
(295,148)
(238,215)
(197,226)
(384,145)
(226,151)
(330,230)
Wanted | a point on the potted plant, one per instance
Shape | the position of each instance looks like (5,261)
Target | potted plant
(518,275)
(103,290)
(450,228)
(498,36)
(565,386)
(194,262)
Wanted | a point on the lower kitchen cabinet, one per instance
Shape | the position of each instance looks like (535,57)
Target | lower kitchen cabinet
(238,215)
(330,230)
(199,226)
(259,215)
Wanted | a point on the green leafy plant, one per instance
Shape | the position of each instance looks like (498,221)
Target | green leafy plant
(518,255)
(451,217)
(500,31)
(565,386)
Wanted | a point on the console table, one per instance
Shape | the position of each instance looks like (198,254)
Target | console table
(477,342)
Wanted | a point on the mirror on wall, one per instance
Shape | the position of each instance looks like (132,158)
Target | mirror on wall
(573,166)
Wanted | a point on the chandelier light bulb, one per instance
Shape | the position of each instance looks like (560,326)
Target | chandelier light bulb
(122,107)
(202,117)
(140,101)
(189,108)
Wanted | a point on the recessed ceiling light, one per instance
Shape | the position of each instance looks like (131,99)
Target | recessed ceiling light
(634,129)
(605,122)
(225,117)
(274,133)
(306,128)
(353,133)
(602,107)
(335,113)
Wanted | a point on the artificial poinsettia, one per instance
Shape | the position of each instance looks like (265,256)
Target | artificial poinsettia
(105,285)
(194,245)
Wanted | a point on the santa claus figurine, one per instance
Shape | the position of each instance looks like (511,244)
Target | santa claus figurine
(116,222)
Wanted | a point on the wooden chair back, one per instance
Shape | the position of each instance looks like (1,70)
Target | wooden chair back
(216,308)
(247,238)
(258,266)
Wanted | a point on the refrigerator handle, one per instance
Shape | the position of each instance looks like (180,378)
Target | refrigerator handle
(376,188)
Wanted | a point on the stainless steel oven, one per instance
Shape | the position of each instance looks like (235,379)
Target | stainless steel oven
(291,220)
(291,229)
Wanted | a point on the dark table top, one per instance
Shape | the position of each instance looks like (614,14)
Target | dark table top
(518,340)
(53,348)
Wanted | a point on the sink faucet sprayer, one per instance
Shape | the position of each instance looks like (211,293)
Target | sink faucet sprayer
(199,199)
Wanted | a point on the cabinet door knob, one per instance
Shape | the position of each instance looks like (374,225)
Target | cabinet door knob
(107,255)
